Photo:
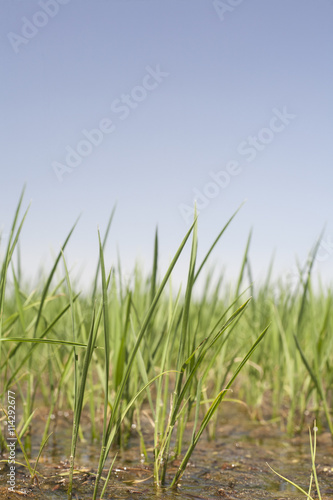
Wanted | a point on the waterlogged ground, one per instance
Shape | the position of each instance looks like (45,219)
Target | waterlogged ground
(234,466)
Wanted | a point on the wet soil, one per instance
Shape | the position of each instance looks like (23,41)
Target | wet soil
(233,466)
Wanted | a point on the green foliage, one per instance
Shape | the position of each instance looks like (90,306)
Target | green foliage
(124,348)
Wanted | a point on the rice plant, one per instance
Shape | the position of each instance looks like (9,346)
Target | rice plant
(313,475)
(177,354)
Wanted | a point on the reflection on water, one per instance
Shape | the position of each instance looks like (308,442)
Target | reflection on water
(284,486)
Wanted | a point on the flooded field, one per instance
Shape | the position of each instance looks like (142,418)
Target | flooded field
(143,376)
(234,466)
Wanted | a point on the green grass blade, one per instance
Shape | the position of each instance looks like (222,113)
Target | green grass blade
(245,258)
(78,405)
(307,282)
(41,448)
(103,246)
(141,333)
(317,382)
(213,408)
(44,341)
(216,241)
(50,277)
(148,317)
(106,338)
(154,270)
(12,241)
(313,457)
(22,448)
(293,484)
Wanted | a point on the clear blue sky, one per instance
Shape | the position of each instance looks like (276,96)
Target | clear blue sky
(219,101)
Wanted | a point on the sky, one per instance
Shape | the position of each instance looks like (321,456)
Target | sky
(151,105)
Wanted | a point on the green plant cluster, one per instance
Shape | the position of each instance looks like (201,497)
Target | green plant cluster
(122,347)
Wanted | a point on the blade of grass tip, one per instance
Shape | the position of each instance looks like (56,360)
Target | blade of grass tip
(307,282)
(317,382)
(308,367)
(71,305)
(245,257)
(103,246)
(50,326)
(250,278)
(18,262)
(269,272)
(18,232)
(234,315)
(18,300)
(217,352)
(302,274)
(216,241)
(135,348)
(248,355)
(9,244)
(58,289)
(45,332)
(323,330)
(232,307)
(120,276)
(50,277)
(184,342)
(154,271)
(143,373)
(121,359)
(42,446)
(213,408)
(12,241)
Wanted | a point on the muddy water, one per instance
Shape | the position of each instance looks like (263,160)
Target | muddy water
(234,466)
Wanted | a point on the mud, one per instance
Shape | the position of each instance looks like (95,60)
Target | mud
(233,466)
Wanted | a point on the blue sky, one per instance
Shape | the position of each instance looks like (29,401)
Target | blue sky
(152,104)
